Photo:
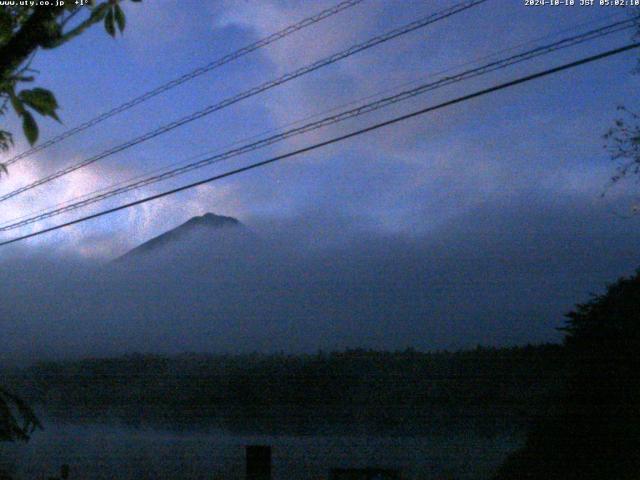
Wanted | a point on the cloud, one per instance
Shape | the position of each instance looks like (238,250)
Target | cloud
(418,176)
(499,274)
(174,18)
(107,236)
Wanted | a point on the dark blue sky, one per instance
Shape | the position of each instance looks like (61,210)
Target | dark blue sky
(512,176)
(539,140)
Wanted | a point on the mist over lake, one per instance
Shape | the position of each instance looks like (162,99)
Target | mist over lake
(190,415)
(102,452)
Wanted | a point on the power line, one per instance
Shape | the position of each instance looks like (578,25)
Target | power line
(340,138)
(340,117)
(329,12)
(423,22)
(304,119)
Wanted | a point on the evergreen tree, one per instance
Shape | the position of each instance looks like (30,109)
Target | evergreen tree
(594,430)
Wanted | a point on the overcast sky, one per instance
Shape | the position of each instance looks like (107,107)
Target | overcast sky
(511,182)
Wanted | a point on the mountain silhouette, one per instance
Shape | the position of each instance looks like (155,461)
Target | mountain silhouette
(206,224)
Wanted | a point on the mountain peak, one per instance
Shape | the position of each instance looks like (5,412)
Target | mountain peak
(210,220)
(206,221)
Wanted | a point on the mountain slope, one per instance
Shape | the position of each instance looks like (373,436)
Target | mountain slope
(207,223)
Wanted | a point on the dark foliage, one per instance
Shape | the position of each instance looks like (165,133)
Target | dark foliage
(623,144)
(402,392)
(17,420)
(623,139)
(594,432)
(26,29)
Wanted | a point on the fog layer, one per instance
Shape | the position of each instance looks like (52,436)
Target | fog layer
(319,282)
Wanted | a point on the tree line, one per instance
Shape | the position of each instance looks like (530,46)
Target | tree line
(386,390)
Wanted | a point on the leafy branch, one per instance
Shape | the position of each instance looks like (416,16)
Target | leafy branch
(11,407)
(23,31)
(623,144)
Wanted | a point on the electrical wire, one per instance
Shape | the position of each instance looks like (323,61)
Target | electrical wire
(337,139)
(309,117)
(377,40)
(330,120)
(329,12)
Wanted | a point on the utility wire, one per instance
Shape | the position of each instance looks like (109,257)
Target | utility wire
(330,120)
(306,118)
(423,22)
(329,12)
(340,138)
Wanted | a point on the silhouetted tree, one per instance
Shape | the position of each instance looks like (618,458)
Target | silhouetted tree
(594,430)
(17,420)
(24,29)
(623,144)
(623,138)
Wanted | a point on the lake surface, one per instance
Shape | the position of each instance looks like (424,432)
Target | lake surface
(108,452)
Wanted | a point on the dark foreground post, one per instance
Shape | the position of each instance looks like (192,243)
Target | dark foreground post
(64,473)
(258,462)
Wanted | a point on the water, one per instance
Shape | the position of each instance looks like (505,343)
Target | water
(108,452)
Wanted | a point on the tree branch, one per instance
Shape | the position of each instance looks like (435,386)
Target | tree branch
(96,16)
(37,30)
